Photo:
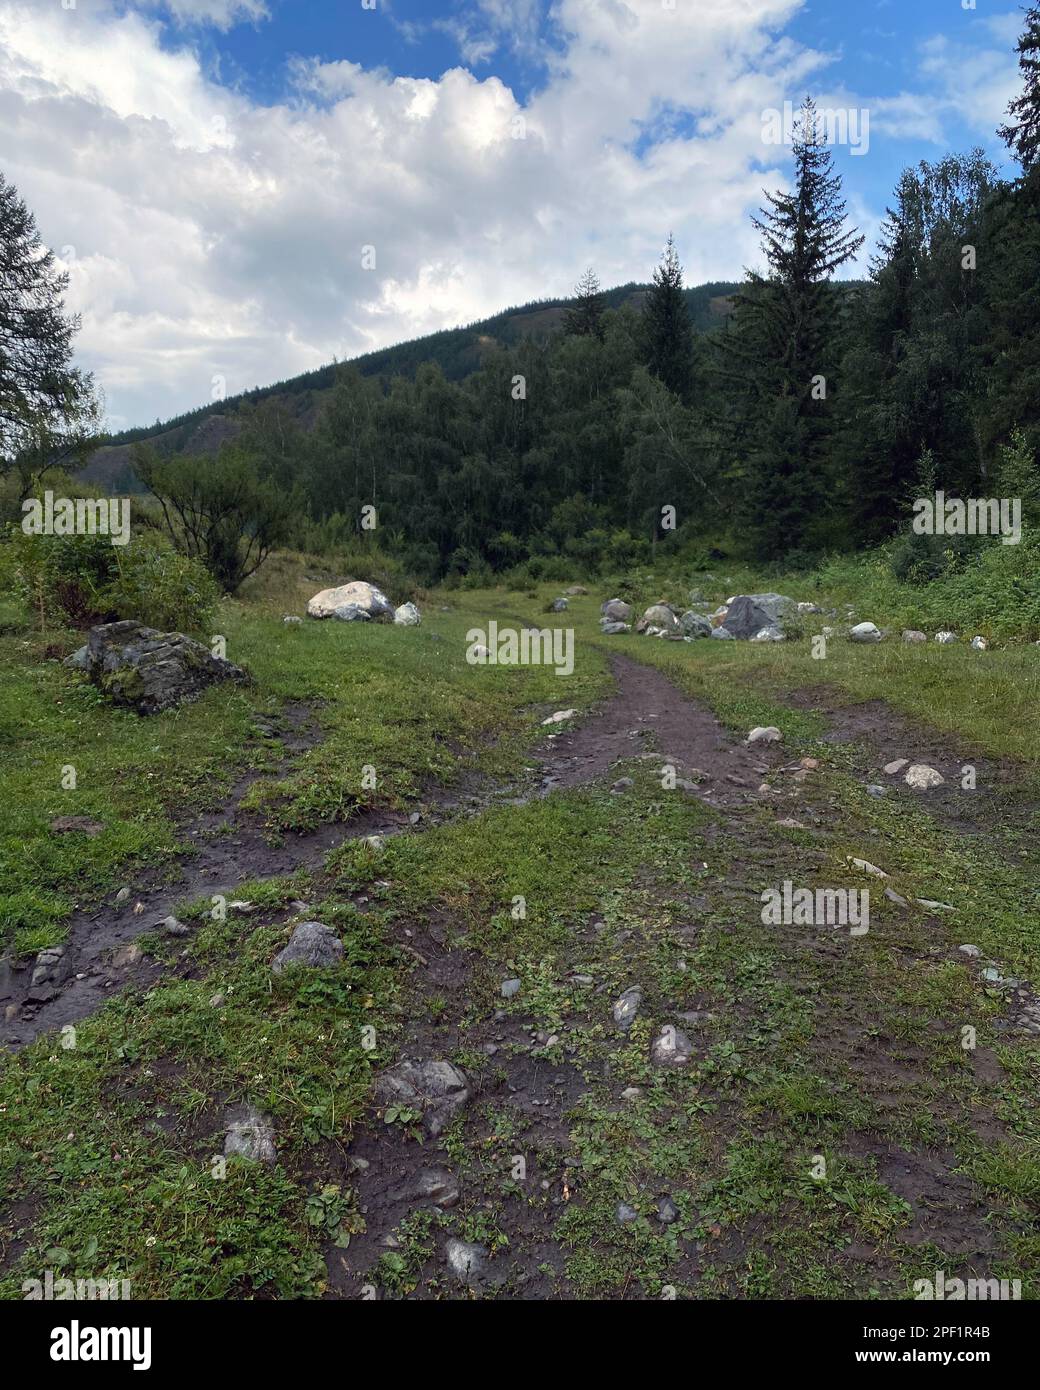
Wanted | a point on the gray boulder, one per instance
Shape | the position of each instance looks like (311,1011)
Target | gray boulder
(617,610)
(695,624)
(722,633)
(150,671)
(748,614)
(613,629)
(312,944)
(658,616)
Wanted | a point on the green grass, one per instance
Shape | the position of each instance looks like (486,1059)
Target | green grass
(399,707)
(810,1046)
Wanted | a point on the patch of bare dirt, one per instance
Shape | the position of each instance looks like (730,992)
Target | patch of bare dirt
(884,735)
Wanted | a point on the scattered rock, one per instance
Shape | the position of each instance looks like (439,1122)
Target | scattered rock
(48,971)
(122,895)
(576,589)
(250,1135)
(292,618)
(631,1093)
(623,784)
(172,927)
(897,766)
(437,1089)
(560,716)
(559,605)
(407,615)
(980,644)
(769,634)
(911,635)
(510,988)
(312,944)
(865,632)
(769,734)
(434,1185)
(972,952)
(216,1001)
(671,1047)
(667,1211)
(624,1214)
(922,777)
(609,629)
(945,639)
(723,633)
(897,898)
(626,1007)
(866,867)
(467,1262)
(874,790)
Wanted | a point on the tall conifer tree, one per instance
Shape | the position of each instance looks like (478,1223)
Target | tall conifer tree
(667,327)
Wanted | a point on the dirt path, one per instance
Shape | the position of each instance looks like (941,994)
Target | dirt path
(648,715)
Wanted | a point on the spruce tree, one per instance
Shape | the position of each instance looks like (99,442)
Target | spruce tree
(668,333)
(779,359)
(583,319)
(1022,133)
(47,406)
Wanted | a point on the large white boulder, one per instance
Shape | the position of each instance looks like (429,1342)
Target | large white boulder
(366,597)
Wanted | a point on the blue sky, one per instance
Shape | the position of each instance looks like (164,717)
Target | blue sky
(212,171)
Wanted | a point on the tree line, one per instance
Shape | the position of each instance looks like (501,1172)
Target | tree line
(804,424)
